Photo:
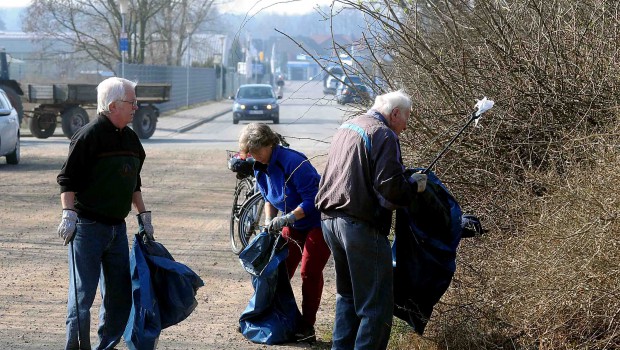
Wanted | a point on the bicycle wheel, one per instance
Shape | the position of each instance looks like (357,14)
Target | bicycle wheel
(251,217)
(244,189)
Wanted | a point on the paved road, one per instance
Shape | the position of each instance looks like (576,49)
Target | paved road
(308,119)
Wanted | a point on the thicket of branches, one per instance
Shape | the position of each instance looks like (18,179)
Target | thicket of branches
(158,30)
(541,170)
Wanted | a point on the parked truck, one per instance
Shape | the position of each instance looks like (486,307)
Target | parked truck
(65,104)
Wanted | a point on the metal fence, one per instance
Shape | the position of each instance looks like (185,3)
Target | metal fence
(190,86)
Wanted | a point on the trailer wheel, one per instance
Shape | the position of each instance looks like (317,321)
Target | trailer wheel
(73,119)
(16,101)
(42,126)
(145,122)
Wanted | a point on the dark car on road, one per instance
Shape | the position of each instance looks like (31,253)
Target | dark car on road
(256,102)
(9,130)
(356,93)
(331,77)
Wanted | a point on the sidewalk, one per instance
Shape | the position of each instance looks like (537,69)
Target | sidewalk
(185,120)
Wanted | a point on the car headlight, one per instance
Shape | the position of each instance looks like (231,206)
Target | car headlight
(269,107)
(238,106)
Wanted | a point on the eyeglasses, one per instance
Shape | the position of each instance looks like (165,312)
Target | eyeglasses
(133,103)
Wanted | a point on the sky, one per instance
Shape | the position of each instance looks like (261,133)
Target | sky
(238,6)
(277,6)
(14,3)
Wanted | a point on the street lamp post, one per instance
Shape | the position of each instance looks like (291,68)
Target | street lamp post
(124,6)
(189,65)
(217,61)
(222,75)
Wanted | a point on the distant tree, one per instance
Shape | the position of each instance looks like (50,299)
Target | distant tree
(93,27)
(236,54)
(177,22)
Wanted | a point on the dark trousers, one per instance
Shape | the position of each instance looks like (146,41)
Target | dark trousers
(364,300)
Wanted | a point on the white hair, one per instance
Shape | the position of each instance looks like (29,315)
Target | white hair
(110,90)
(385,103)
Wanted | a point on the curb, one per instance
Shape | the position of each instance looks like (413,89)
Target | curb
(199,122)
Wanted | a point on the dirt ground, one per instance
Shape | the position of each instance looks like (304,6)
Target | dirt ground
(189,192)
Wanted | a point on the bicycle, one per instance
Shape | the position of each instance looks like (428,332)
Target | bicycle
(248,204)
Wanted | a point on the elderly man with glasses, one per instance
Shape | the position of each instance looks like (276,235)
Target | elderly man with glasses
(99,182)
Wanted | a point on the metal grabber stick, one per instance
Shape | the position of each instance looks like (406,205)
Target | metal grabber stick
(481,106)
(77,309)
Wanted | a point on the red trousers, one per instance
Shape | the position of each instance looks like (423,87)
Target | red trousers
(309,247)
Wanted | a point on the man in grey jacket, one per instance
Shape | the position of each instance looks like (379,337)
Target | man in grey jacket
(363,182)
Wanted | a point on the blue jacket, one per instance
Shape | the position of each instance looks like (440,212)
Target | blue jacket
(289,181)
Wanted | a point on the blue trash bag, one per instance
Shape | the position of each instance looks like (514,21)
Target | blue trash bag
(163,293)
(144,326)
(175,285)
(272,315)
(427,235)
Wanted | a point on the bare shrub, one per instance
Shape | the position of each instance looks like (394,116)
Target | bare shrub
(555,284)
(541,171)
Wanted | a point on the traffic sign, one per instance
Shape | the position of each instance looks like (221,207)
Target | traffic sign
(124,44)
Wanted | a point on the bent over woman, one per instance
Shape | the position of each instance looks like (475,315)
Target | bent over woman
(289,184)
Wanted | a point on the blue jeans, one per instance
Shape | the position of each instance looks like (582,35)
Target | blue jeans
(364,300)
(101,252)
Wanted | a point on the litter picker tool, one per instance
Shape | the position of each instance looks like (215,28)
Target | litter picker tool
(481,107)
(77,309)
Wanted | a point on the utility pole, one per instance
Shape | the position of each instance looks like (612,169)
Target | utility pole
(124,6)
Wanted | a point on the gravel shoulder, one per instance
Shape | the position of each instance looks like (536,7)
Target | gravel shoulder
(189,192)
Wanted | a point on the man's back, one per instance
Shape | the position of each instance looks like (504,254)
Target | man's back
(363,172)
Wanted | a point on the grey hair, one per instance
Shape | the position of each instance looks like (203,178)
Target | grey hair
(255,136)
(110,90)
(385,103)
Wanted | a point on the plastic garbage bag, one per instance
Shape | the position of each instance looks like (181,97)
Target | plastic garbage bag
(163,290)
(272,315)
(427,235)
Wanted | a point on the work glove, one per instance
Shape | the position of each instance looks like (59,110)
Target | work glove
(68,225)
(280,221)
(420,180)
(268,221)
(145,227)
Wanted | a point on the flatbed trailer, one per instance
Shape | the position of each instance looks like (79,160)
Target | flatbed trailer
(65,104)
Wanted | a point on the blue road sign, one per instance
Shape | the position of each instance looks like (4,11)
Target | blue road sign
(124,44)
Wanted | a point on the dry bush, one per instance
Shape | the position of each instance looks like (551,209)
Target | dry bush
(542,171)
(555,284)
